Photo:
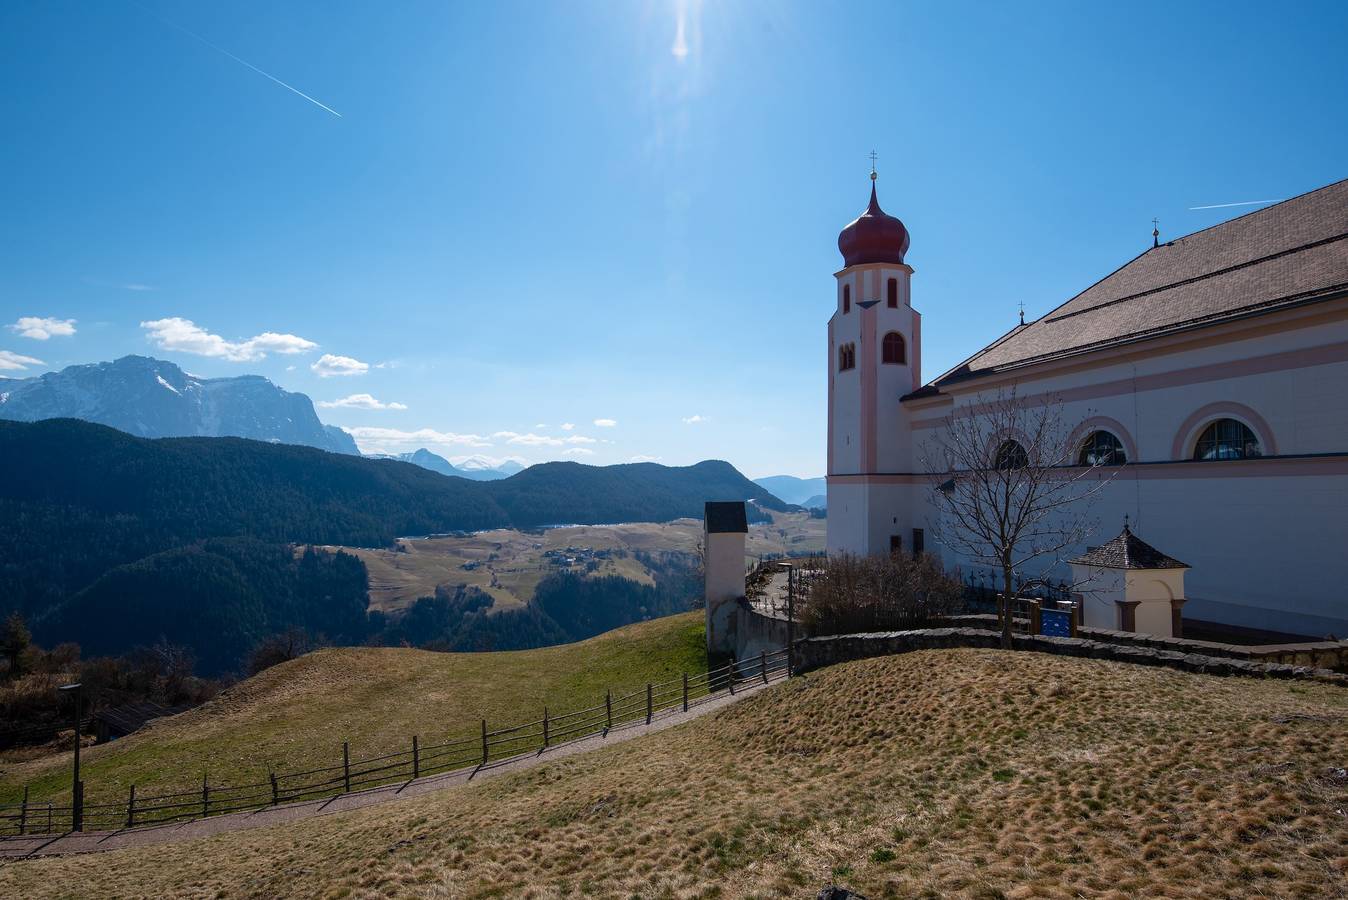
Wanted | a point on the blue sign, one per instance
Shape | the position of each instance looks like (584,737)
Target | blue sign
(1055,622)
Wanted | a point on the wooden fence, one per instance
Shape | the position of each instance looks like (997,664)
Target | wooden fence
(418,760)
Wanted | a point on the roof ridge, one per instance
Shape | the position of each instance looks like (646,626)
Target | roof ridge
(1197,278)
(1255,212)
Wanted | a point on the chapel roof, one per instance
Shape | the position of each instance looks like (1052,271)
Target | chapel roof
(1127,551)
(722,517)
(1289,253)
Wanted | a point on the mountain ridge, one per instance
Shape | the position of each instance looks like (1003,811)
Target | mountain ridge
(85,500)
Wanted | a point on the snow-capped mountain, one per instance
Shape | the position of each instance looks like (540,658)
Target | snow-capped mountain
(153,398)
(475,467)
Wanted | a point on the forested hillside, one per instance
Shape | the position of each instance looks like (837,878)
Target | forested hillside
(108,536)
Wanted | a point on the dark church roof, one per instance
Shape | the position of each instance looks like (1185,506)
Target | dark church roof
(726,516)
(1128,551)
(1283,255)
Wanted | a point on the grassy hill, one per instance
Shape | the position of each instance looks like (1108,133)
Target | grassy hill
(296,715)
(972,773)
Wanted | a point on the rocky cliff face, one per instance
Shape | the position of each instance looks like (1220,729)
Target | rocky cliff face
(153,398)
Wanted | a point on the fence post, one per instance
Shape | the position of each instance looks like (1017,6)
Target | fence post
(649,711)
(790,621)
(545,727)
(23,812)
(416,759)
(275,793)
(731,676)
(77,807)
(346,767)
(685,692)
(205,797)
(763,662)
(608,710)
(131,808)
(484,742)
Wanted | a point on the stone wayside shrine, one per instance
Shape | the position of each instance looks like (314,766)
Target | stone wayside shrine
(1131,586)
(725,527)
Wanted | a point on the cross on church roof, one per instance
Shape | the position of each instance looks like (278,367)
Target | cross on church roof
(873,158)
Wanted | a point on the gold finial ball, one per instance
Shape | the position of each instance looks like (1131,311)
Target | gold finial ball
(873,175)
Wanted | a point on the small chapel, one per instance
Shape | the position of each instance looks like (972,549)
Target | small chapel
(1210,372)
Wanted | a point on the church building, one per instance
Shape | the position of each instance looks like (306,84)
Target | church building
(1210,372)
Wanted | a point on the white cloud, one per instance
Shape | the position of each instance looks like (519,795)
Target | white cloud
(694,420)
(185,336)
(540,440)
(330,366)
(567,426)
(288,344)
(605,423)
(578,451)
(10,362)
(359,401)
(641,457)
(393,440)
(541,425)
(39,329)
(137,287)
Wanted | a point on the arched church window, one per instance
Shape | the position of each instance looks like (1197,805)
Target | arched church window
(847,357)
(892,350)
(847,298)
(892,295)
(1227,439)
(1011,455)
(1102,448)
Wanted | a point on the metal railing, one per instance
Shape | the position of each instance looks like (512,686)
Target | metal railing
(638,707)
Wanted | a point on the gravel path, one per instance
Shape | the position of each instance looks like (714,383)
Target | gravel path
(95,841)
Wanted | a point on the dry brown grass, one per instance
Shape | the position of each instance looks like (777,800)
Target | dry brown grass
(971,773)
(296,715)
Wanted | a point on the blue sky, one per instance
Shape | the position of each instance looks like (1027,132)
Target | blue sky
(528,216)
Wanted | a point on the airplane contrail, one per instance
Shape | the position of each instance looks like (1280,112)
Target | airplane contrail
(1241,203)
(244,62)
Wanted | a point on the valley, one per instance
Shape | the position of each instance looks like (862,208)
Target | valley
(508,564)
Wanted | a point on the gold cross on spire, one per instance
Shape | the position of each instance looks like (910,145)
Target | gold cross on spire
(873,158)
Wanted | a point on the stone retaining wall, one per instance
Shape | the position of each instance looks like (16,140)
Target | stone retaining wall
(815,652)
(1313,654)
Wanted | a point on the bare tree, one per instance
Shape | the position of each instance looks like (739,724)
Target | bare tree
(1008,490)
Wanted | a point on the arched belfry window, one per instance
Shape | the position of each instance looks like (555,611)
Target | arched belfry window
(1102,448)
(847,298)
(847,357)
(1227,439)
(1011,455)
(892,349)
(892,294)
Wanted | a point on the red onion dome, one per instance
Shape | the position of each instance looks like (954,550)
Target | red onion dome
(873,237)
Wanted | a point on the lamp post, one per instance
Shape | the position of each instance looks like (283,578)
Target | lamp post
(76,786)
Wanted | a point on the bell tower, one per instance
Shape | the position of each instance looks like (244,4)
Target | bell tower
(874,358)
